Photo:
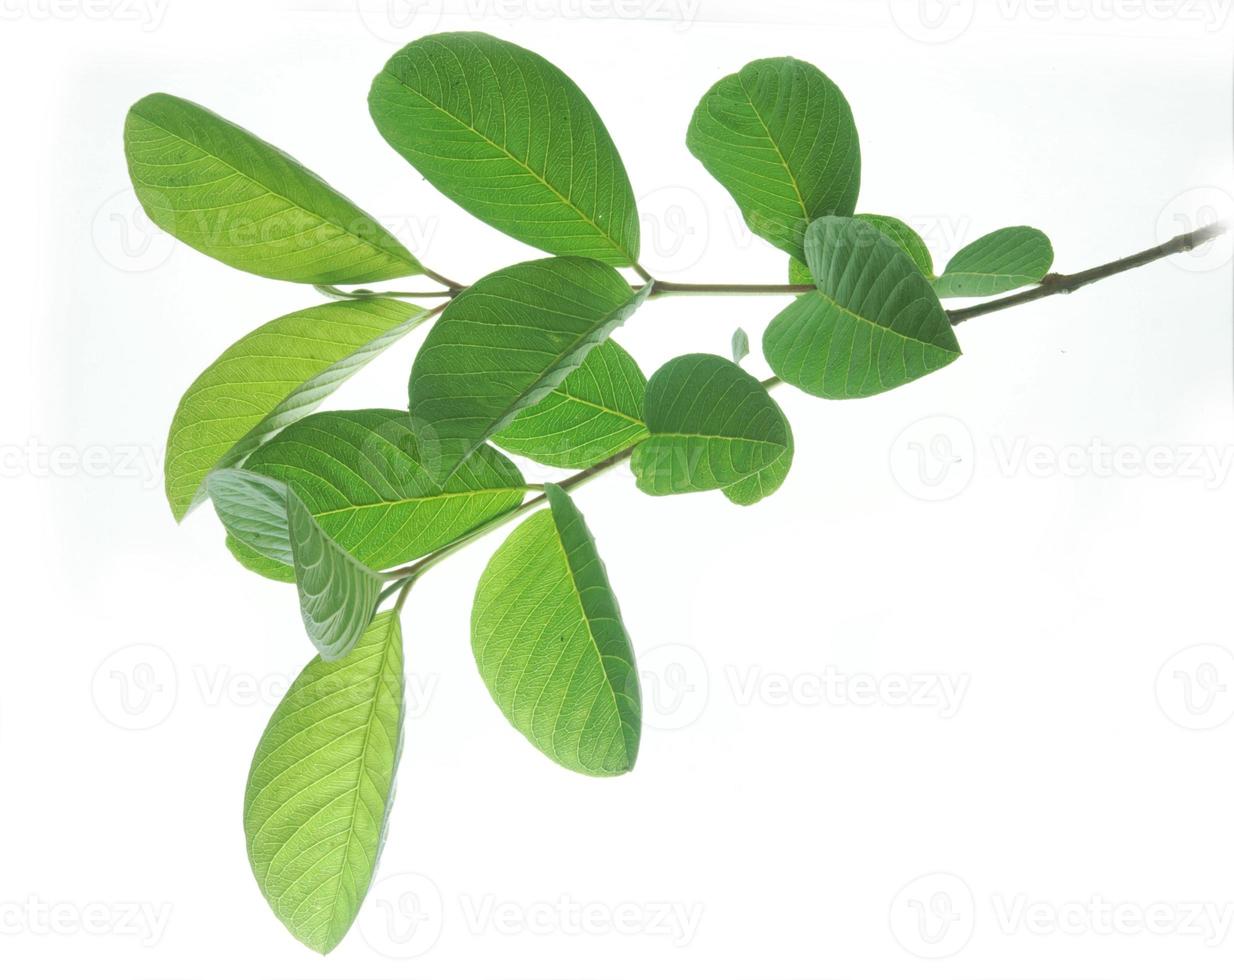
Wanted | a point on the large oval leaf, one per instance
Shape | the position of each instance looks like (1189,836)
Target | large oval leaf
(872,323)
(712,425)
(338,594)
(511,139)
(595,413)
(995,263)
(238,199)
(505,343)
(278,373)
(780,137)
(551,647)
(361,476)
(321,784)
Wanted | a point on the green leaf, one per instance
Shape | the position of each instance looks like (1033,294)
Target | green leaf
(361,476)
(593,414)
(766,481)
(278,373)
(712,426)
(505,343)
(780,137)
(507,136)
(551,646)
(255,561)
(223,191)
(338,594)
(741,345)
(995,263)
(895,229)
(872,323)
(320,788)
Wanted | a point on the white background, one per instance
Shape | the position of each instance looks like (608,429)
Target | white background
(1053,801)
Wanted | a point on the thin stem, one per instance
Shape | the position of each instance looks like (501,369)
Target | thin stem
(642,272)
(402,595)
(662,288)
(1057,284)
(454,287)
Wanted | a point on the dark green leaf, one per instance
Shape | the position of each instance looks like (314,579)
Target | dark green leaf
(551,646)
(238,199)
(873,322)
(321,785)
(712,426)
(278,373)
(995,263)
(511,139)
(505,343)
(594,413)
(780,137)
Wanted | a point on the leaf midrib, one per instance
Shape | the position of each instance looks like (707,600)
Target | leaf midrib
(521,163)
(878,326)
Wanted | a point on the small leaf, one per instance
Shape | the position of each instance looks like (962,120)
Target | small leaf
(278,373)
(872,323)
(338,594)
(895,229)
(995,263)
(593,414)
(741,344)
(712,426)
(362,477)
(321,785)
(780,137)
(551,647)
(236,198)
(505,343)
(508,137)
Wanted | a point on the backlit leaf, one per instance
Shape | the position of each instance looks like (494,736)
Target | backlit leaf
(551,647)
(223,191)
(278,373)
(712,426)
(895,229)
(872,323)
(780,137)
(510,138)
(505,343)
(995,263)
(321,784)
(595,412)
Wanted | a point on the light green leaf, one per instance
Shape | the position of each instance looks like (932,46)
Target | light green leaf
(872,323)
(278,373)
(895,229)
(551,646)
(223,191)
(712,425)
(505,343)
(361,476)
(594,413)
(511,139)
(780,137)
(995,263)
(255,561)
(338,594)
(320,788)
(741,345)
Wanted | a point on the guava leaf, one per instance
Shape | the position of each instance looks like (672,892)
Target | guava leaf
(995,263)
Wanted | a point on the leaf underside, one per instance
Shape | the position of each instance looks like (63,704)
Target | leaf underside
(268,379)
(551,647)
(898,231)
(872,323)
(221,190)
(995,263)
(780,137)
(511,139)
(321,784)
